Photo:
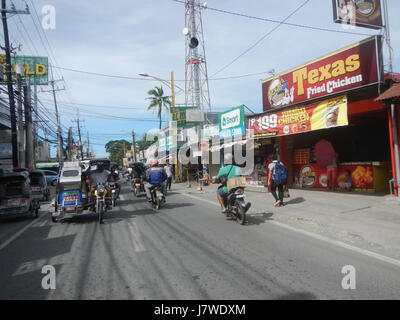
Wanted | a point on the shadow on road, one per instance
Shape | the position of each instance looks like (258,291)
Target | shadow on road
(258,218)
(22,261)
(295,200)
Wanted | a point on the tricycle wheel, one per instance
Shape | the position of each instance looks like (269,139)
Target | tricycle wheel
(53,219)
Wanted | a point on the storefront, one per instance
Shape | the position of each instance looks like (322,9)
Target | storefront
(330,100)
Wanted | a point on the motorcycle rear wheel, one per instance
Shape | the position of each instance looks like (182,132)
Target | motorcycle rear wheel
(240,213)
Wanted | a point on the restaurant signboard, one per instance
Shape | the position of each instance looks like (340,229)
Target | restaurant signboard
(353,67)
(326,114)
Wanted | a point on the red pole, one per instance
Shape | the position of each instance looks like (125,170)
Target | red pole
(392,151)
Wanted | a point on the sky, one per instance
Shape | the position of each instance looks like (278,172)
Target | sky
(125,38)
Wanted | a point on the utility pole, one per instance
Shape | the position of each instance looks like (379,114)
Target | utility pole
(21,150)
(88,146)
(80,147)
(69,148)
(35,133)
(134,145)
(59,137)
(14,139)
(28,125)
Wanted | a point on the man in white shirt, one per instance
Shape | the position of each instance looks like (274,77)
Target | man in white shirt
(168,171)
(100,176)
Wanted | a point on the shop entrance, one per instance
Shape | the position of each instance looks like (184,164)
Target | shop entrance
(363,149)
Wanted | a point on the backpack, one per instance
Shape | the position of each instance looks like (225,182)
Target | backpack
(279,174)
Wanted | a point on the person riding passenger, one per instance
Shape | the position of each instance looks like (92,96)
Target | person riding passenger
(155,176)
(230,170)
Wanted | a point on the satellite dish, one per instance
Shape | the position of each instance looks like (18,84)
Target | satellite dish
(185,31)
(193,43)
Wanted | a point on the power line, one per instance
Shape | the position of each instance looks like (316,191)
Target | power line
(280,22)
(261,39)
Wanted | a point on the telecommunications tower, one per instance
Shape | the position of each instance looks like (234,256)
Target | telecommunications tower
(196,79)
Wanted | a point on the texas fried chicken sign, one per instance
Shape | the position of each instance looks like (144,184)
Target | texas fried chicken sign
(347,69)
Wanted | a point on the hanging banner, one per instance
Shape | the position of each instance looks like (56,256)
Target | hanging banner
(326,114)
(353,67)
(361,13)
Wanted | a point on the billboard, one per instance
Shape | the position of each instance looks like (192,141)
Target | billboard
(362,13)
(356,66)
(178,114)
(34,67)
(231,123)
(326,114)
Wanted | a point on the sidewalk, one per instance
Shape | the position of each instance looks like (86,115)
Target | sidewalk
(368,221)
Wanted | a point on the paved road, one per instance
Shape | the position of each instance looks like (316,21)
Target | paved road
(187,250)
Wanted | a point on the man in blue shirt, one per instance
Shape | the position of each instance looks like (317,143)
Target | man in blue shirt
(155,176)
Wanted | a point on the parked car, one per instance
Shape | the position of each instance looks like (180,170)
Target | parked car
(51,177)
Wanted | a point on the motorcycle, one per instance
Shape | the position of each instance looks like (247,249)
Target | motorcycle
(137,186)
(114,190)
(100,193)
(157,198)
(236,205)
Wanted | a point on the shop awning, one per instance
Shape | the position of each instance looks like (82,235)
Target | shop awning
(392,93)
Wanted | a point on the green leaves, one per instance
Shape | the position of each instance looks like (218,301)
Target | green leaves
(158,101)
(116,150)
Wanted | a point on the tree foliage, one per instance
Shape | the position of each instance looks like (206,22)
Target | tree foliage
(116,150)
(158,101)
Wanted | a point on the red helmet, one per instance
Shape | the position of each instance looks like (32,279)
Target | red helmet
(154,163)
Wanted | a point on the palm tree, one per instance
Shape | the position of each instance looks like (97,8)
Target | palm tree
(158,100)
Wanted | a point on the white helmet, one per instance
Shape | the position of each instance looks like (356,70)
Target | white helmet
(228,158)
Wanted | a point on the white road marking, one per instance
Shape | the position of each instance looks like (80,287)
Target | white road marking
(319,237)
(136,239)
(30,266)
(16,235)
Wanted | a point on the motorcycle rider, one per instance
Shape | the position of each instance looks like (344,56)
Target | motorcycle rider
(155,176)
(100,176)
(115,178)
(230,170)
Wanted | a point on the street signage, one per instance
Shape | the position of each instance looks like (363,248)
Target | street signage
(178,114)
(356,66)
(34,67)
(362,13)
(231,122)
(326,114)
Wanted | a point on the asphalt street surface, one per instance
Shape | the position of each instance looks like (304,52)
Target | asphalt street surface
(186,250)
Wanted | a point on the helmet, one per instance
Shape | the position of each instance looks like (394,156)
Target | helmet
(153,163)
(228,158)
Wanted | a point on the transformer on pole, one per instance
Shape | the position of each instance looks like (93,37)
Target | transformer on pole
(196,78)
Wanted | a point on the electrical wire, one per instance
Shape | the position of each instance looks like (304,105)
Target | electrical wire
(261,39)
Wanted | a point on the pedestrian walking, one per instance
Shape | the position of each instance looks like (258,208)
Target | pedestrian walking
(168,171)
(277,179)
(331,172)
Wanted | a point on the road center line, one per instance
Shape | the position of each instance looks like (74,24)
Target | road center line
(319,237)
